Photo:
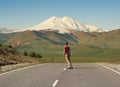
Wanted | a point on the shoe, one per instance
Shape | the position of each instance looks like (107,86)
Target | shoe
(70,67)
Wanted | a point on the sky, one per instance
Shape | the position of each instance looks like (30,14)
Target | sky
(20,14)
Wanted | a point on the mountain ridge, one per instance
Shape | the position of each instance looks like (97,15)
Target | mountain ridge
(109,39)
(60,30)
(64,25)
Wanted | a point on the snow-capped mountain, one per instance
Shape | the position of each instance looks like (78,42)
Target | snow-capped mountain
(64,25)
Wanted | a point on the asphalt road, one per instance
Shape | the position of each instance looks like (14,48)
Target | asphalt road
(56,75)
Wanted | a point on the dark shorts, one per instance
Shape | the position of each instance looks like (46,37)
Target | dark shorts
(67,55)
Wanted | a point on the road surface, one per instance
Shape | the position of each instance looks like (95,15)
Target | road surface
(56,75)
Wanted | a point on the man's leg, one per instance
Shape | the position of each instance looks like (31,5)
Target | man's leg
(68,61)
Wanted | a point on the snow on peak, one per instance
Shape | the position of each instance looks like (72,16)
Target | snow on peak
(64,25)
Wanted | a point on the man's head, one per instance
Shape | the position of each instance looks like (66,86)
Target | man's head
(66,43)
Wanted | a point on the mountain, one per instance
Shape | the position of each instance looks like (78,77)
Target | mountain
(41,38)
(64,25)
(57,31)
(4,37)
(50,43)
(109,39)
(31,39)
(6,30)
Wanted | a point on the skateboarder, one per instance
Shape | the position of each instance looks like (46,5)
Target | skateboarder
(67,54)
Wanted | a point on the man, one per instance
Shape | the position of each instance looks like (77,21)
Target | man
(67,54)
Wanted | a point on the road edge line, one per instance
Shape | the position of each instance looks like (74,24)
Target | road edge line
(109,68)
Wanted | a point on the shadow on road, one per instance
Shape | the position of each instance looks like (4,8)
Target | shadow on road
(85,67)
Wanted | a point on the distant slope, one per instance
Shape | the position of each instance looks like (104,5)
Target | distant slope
(30,38)
(4,37)
(109,39)
(23,38)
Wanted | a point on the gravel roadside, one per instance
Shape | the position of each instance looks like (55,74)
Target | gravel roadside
(13,67)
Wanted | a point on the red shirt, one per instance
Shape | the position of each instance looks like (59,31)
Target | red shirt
(66,49)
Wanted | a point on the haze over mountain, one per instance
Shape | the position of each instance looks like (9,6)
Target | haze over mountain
(6,30)
(64,25)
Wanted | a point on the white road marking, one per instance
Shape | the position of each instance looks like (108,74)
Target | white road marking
(20,69)
(109,68)
(64,69)
(55,83)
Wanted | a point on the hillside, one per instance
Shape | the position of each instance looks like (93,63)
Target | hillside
(9,55)
(109,39)
(28,38)
(4,37)
(85,46)
(40,38)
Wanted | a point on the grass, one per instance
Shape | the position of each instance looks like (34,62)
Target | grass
(79,54)
(80,60)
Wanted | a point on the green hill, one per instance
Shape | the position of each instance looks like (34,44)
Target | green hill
(109,39)
(87,45)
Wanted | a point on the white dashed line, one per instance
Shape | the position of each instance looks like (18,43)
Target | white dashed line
(55,83)
(64,69)
(109,68)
